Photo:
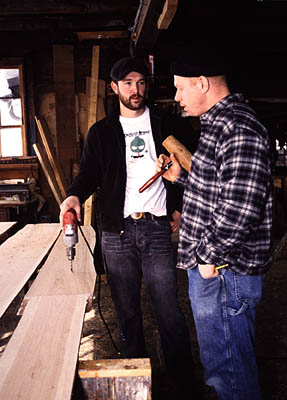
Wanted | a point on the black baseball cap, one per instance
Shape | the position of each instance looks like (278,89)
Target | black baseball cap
(126,65)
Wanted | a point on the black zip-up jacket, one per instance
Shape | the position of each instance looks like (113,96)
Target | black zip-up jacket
(103,166)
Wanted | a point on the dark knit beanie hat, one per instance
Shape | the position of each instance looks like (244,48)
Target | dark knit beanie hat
(199,62)
(126,65)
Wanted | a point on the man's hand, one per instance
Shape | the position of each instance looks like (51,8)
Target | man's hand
(207,271)
(174,224)
(70,202)
(173,172)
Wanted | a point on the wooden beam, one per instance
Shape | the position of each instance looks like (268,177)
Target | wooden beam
(102,35)
(20,256)
(146,32)
(19,171)
(167,14)
(92,118)
(50,150)
(67,149)
(49,173)
(94,86)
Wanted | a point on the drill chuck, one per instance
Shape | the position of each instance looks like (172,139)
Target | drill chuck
(71,252)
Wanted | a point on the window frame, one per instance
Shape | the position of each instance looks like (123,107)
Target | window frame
(17,64)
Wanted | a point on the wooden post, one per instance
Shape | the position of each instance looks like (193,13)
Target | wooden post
(66,135)
(92,118)
(116,379)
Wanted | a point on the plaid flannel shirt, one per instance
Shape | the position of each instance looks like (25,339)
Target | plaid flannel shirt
(227,204)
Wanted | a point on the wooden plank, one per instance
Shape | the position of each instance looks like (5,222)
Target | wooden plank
(56,277)
(6,226)
(20,255)
(116,379)
(89,210)
(45,164)
(40,359)
(167,14)
(102,35)
(50,150)
(115,368)
(67,148)
(92,118)
(19,171)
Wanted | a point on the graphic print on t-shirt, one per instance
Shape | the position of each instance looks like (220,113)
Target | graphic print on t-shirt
(137,146)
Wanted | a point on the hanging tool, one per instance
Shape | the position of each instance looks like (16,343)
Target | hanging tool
(155,177)
(70,230)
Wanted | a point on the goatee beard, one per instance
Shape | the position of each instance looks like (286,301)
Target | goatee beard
(128,102)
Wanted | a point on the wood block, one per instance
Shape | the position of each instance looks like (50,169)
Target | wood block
(117,379)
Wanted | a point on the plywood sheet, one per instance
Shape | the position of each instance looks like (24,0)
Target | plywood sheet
(20,255)
(56,277)
(5,226)
(40,359)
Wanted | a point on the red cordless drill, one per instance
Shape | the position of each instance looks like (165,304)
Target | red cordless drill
(70,230)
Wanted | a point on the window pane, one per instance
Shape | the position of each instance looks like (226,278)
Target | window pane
(11,142)
(9,83)
(10,112)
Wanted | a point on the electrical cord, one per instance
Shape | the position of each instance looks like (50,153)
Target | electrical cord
(99,294)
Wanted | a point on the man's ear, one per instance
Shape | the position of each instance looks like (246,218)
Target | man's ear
(203,83)
(115,87)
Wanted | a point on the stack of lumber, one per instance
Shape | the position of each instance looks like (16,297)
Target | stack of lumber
(40,359)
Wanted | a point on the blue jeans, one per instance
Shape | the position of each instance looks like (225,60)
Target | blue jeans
(145,251)
(224,314)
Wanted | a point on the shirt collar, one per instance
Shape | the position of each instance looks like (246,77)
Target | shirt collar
(220,105)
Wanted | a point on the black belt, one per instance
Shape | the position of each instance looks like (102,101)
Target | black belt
(147,216)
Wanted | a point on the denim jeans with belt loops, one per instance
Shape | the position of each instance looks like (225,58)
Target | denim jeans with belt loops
(224,314)
(145,251)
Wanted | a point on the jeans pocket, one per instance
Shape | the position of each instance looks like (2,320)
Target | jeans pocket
(244,292)
(115,243)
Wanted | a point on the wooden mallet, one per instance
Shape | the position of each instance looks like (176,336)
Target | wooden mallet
(181,153)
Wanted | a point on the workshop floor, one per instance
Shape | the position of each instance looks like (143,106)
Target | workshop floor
(271,332)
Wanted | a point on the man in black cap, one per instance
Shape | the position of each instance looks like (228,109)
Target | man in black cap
(225,228)
(119,157)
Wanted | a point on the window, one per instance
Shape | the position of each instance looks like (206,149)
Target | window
(12,126)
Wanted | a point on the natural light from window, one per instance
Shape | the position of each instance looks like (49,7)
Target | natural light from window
(10,113)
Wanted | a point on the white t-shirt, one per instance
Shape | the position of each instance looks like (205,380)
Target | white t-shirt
(140,159)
